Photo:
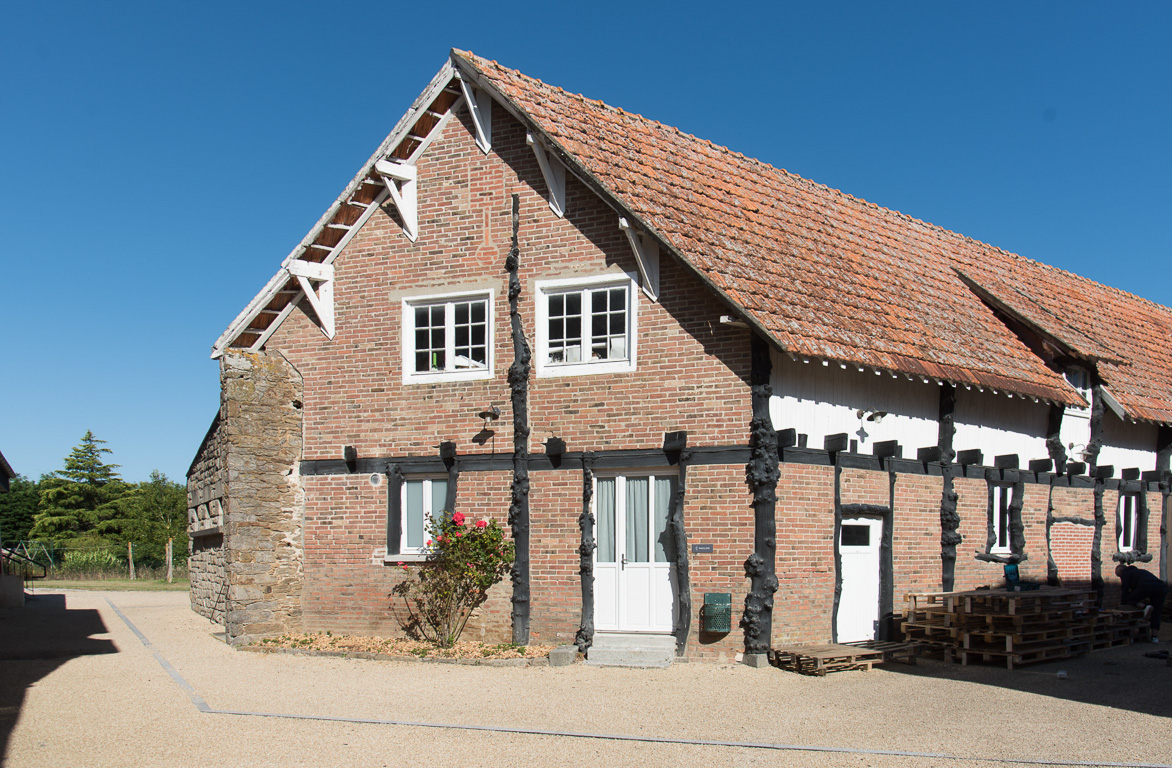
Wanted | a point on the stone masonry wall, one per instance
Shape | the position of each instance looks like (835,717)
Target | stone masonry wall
(206,487)
(264,514)
(209,578)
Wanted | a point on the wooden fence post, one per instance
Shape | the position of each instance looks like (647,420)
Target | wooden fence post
(130,555)
(170,561)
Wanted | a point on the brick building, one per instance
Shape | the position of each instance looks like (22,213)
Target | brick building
(673,371)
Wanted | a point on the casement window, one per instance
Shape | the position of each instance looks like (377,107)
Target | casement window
(1127,522)
(586,326)
(447,338)
(421,499)
(999,519)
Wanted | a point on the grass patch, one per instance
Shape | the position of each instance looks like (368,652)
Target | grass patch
(121,585)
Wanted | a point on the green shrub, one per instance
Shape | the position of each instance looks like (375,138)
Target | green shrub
(464,561)
(89,562)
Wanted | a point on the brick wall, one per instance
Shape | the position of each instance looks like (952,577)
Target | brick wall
(691,375)
(804,603)
(354,392)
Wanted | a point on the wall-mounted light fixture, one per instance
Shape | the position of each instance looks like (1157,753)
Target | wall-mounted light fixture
(490,414)
(868,415)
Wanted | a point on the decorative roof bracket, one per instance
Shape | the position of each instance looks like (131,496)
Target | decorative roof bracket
(555,176)
(646,252)
(1111,402)
(322,299)
(400,179)
(480,107)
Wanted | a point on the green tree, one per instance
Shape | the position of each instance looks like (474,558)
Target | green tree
(148,515)
(18,507)
(73,502)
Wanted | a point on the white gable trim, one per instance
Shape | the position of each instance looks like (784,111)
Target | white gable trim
(646,252)
(555,176)
(480,107)
(402,185)
(240,324)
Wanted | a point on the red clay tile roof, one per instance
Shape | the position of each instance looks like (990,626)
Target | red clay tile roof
(828,275)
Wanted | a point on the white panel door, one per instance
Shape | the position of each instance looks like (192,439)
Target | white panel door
(634,570)
(858,603)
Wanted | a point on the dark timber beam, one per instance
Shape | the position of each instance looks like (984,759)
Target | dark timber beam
(949,518)
(762,471)
(519,388)
(584,638)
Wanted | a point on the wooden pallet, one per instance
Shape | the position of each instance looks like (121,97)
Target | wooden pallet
(823,659)
(1025,656)
(1017,627)
(908,653)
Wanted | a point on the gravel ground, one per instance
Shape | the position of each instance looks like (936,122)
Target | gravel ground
(79,687)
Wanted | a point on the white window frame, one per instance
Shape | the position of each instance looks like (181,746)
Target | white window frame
(1128,510)
(448,301)
(621,476)
(408,554)
(547,288)
(1079,378)
(1002,525)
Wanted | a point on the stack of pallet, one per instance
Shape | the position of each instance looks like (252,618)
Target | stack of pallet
(1019,627)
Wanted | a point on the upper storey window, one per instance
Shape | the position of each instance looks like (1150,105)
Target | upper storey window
(447,338)
(1080,379)
(585,326)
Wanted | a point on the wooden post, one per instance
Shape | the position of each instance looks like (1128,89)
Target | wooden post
(170,562)
(130,556)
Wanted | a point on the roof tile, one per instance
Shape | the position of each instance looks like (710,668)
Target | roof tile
(829,275)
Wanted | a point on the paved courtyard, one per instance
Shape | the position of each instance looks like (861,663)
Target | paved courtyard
(135,678)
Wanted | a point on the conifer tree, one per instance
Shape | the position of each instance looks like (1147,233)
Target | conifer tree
(74,501)
(18,507)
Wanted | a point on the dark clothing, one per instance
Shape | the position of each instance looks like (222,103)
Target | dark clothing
(1138,584)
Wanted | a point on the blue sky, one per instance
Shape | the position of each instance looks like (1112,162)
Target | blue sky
(159,160)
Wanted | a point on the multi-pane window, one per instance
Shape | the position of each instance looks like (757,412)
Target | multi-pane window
(632,519)
(1128,524)
(446,337)
(1000,519)
(422,501)
(586,328)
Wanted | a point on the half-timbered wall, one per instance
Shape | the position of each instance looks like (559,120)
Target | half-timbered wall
(691,375)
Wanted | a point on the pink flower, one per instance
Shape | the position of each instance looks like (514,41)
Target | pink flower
(459,534)
(481,523)
(428,544)
(458,518)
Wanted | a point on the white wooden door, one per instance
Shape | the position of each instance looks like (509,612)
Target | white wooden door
(858,603)
(634,564)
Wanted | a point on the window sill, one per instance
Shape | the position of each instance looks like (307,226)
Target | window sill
(446,376)
(405,557)
(554,370)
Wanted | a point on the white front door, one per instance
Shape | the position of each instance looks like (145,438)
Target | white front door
(858,603)
(634,564)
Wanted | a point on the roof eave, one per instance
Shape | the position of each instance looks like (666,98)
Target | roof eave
(245,318)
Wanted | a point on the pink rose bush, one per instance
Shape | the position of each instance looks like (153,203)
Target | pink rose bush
(463,563)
